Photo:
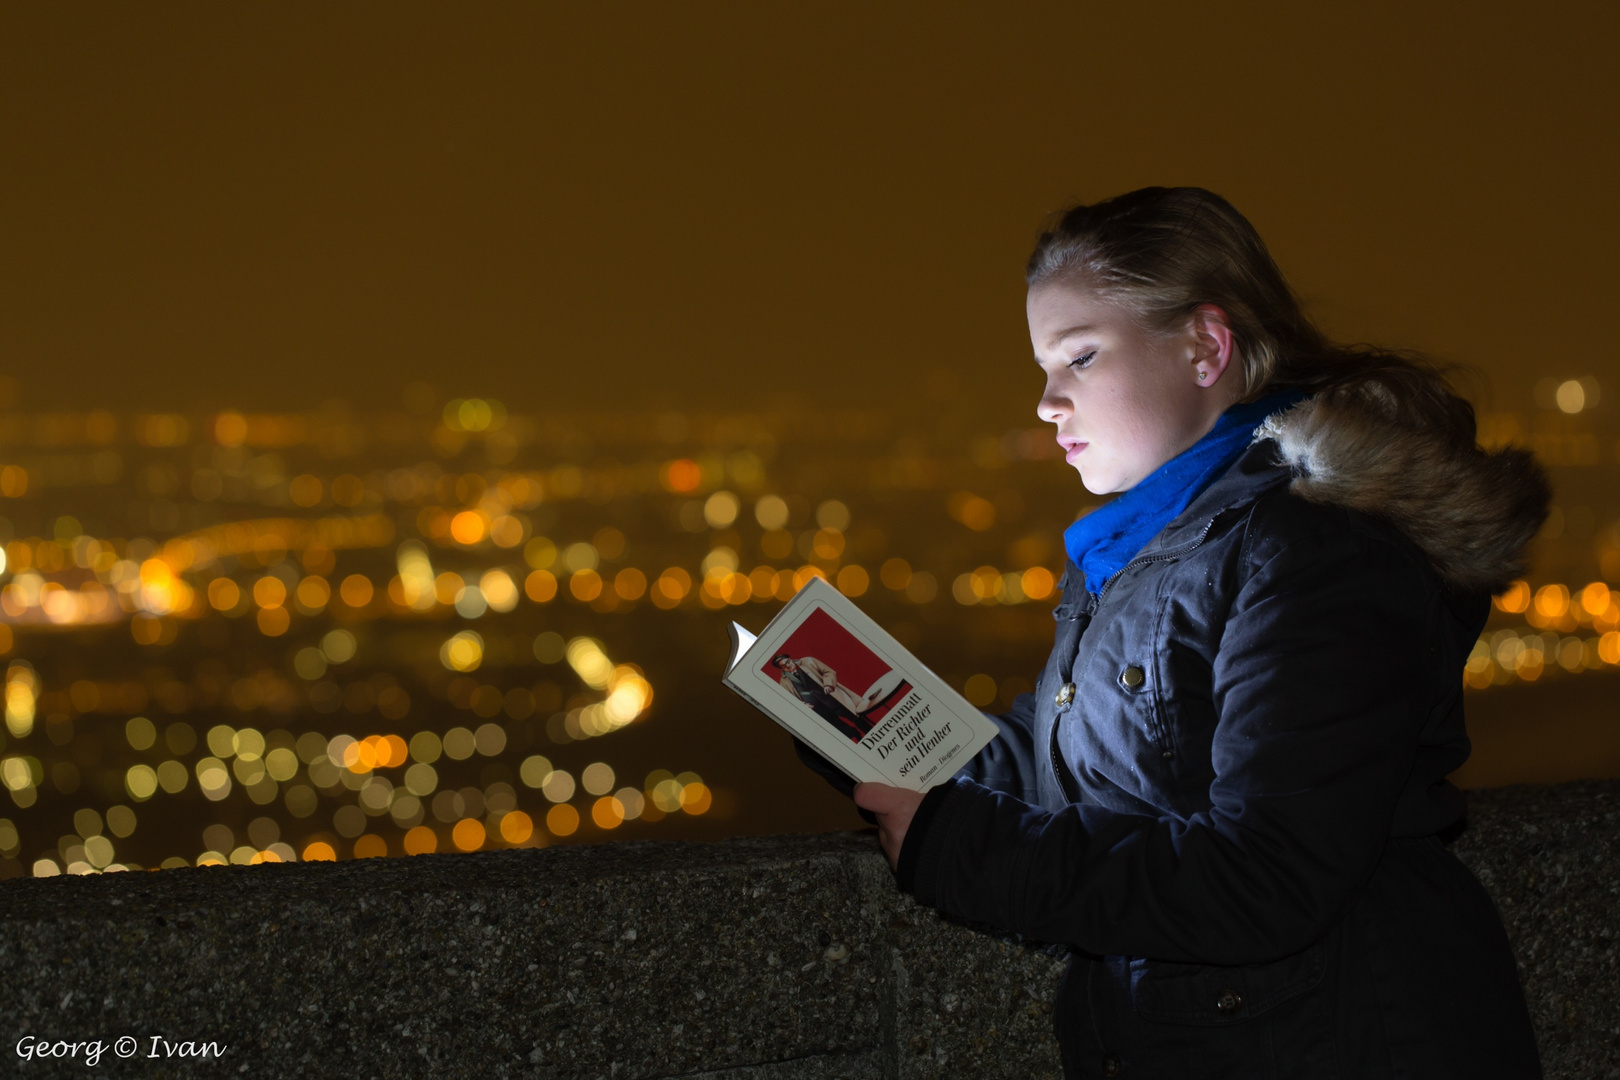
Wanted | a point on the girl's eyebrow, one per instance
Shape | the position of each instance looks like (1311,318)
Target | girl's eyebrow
(1084,328)
(1073,331)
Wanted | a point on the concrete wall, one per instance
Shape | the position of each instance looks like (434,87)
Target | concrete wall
(769,959)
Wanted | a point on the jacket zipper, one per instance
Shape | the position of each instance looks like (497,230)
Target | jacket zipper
(1060,771)
(1143,560)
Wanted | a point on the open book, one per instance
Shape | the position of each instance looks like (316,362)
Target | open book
(840,683)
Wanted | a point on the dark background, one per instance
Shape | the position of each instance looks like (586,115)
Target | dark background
(264,205)
(733,208)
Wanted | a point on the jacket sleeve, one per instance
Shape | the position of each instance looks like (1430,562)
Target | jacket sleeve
(1009,762)
(1323,678)
(1012,762)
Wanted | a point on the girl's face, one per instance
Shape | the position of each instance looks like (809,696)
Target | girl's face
(1124,400)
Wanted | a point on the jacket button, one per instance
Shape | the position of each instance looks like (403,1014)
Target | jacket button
(1229,1001)
(1132,677)
(1111,1065)
(1065,695)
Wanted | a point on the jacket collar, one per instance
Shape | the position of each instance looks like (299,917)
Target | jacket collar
(1260,469)
(1256,472)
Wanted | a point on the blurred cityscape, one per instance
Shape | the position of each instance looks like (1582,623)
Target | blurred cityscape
(233,637)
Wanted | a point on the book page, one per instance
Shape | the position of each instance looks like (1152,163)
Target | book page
(741,640)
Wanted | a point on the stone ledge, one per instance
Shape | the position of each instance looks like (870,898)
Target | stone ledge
(773,958)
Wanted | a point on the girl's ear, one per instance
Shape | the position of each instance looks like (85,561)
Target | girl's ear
(1215,347)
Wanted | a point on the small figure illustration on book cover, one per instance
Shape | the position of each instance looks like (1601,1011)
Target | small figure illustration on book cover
(827,668)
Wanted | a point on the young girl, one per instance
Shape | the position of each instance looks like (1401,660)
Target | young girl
(1228,792)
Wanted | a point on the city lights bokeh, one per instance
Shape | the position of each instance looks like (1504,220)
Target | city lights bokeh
(238,638)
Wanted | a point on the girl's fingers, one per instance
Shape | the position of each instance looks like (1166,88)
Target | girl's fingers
(878,798)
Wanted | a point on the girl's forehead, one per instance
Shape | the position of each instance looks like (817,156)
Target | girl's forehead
(1069,294)
(1059,309)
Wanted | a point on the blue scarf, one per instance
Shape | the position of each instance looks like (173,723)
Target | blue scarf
(1103,541)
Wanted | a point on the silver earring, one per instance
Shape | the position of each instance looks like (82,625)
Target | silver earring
(1202,375)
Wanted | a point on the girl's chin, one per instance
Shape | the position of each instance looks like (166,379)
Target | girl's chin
(1098,483)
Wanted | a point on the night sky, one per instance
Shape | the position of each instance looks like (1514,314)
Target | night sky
(718,206)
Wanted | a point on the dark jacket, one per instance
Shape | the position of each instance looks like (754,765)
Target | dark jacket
(1227,792)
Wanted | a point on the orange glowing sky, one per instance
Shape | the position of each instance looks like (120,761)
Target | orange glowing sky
(271,205)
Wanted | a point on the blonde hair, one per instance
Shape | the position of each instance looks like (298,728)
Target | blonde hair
(1162,252)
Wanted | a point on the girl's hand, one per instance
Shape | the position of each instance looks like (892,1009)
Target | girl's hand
(894,808)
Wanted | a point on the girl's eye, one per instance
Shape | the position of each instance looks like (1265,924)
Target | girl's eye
(1083,361)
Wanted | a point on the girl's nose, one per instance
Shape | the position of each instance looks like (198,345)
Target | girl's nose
(1054,407)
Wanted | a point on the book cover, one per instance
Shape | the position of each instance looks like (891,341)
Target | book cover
(840,683)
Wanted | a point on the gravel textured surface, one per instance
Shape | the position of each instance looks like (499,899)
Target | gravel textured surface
(1550,857)
(777,958)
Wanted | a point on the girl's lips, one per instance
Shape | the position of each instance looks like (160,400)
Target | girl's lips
(1074,452)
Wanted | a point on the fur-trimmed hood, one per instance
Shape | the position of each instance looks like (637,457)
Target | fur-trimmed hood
(1471,511)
